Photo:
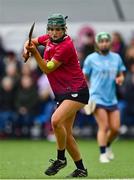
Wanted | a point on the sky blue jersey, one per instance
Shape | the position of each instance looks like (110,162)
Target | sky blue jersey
(102,71)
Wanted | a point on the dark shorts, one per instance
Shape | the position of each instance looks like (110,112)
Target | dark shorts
(108,108)
(81,96)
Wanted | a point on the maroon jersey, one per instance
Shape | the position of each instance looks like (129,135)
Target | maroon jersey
(68,77)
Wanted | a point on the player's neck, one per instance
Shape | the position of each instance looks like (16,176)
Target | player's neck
(58,40)
(104,52)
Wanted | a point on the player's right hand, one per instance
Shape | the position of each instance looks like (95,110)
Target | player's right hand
(25,56)
(25,45)
(31,48)
(119,80)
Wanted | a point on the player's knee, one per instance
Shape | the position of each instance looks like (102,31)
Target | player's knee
(55,121)
(104,128)
(115,130)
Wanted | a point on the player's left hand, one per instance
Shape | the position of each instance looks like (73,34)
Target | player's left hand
(31,48)
(119,80)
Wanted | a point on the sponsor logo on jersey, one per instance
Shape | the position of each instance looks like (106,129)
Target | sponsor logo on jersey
(74,95)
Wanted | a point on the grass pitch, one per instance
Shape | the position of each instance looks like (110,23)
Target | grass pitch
(27,159)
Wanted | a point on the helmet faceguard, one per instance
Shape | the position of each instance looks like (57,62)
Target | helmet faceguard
(57,21)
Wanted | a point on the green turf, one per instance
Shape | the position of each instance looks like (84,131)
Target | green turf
(25,159)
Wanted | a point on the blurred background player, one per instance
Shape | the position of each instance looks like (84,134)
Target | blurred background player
(85,43)
(104,69)
(69,86)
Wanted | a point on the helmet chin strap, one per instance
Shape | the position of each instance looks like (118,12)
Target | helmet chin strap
(58,40)
(105,51)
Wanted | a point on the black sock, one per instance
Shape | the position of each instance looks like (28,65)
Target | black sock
(79,164)
(102,149)
(108,144)
(61,154)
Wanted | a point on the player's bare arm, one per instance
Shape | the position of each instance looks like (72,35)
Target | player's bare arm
(44,65)
(120,78)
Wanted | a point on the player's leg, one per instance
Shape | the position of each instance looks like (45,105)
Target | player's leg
(114,123)
(66,110)
(101,117)
(73,150)
(71,144)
